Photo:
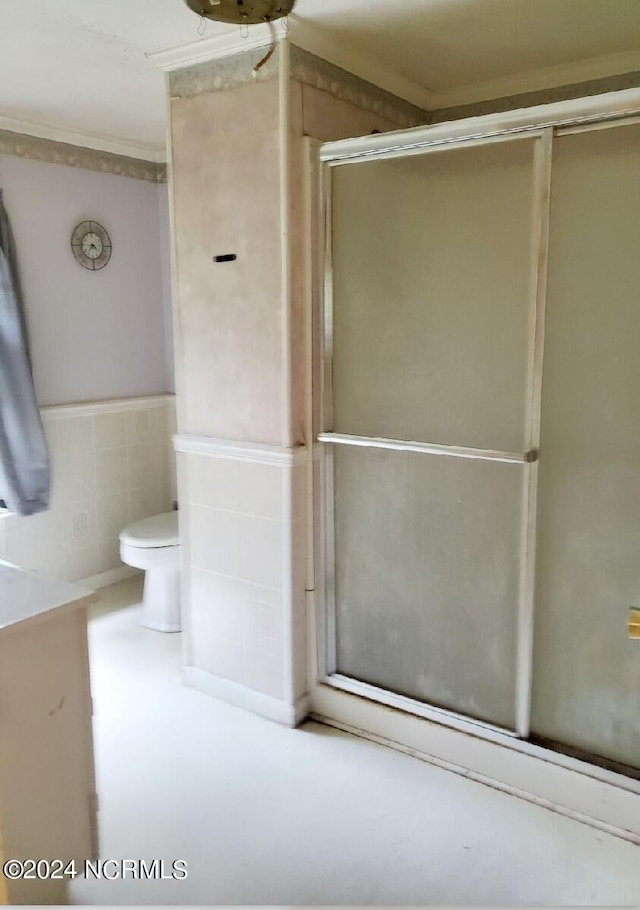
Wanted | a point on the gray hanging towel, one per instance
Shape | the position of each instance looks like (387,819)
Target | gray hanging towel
(24,457)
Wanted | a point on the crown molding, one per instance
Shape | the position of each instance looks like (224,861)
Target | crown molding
(310,38)
(226,43)
(84,140)
(316,41)
(50,151)
(538,79)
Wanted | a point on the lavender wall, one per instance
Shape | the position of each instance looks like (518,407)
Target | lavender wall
(94,335)
(165,267)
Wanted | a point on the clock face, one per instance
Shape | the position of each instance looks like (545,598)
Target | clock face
(91,245)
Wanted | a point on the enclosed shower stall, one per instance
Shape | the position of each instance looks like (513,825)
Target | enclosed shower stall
(478,535)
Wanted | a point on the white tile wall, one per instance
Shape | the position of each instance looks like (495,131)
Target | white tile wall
(244,548)
(112,463)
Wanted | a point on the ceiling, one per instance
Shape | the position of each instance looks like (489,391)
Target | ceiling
(80,66)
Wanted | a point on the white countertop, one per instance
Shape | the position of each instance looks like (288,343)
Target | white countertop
(25,595)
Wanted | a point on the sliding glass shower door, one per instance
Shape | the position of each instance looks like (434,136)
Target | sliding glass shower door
(430,424)
(586,679)
(481,433)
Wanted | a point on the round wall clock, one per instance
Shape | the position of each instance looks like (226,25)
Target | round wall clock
(91,245)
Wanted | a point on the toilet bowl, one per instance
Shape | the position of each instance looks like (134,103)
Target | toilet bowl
(153,545)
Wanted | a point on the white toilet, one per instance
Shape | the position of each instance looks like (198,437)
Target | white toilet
(153,544)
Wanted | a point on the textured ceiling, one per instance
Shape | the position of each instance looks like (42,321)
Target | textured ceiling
(81,65)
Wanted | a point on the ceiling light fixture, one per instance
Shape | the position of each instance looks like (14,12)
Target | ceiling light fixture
(241,12)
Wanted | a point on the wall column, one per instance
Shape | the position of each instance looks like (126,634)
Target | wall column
(236,187)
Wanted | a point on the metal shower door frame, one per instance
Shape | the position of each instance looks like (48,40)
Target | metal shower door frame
(604,798)
(327,440)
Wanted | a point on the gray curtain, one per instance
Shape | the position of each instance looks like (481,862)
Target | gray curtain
(24,457)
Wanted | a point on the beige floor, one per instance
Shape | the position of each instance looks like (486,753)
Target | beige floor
(266,815)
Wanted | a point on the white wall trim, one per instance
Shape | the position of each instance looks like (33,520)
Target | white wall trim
(285,153)
(110,577)
(539,79)
(84,140)
(239,451)
(304,35)
(317,41)
(89,408)
(226,43)
(592,109)
(290,715)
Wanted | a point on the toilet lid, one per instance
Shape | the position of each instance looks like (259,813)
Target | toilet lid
(157,531)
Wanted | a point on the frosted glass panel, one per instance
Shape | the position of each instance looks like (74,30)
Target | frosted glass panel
(431,293)
(586,689)
(427,573)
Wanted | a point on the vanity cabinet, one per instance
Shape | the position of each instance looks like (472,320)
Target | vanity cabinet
(47,782)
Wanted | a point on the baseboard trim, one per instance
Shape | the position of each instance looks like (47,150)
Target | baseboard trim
(289,715)
(110,577)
